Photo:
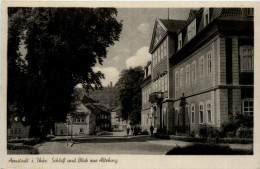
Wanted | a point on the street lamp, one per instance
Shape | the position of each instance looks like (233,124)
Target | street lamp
(67,122)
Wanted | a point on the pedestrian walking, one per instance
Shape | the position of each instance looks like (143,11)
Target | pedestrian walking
(127,130)
(151,130)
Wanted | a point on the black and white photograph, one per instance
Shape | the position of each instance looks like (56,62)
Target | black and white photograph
(166,81)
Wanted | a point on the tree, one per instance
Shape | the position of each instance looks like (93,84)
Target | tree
(130,93)
(63,45)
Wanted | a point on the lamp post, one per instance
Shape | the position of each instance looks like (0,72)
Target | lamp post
(71,128)
(160,98)
(67,122)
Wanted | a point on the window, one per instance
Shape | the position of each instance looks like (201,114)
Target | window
(162,83)
(193,72)
(201,65)
(158,55)
(143,96)
(78,120)
(193,113)
(177,116)
(177,80)
(19,130)
(206,16)
(159,84)
(166,82)
(156,85)
(161,47)
(247,58)
(83,120)
(248,107)
(165,48)
(179,41)
(208,106)
(147,96)
(209,62)
(250,11)
(192,30)
(153,59)
(81,130)
(149,70)
(188,75)
(181,78)
(201,113)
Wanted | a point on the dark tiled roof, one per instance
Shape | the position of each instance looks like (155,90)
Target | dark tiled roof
(97,108)
(103,108)
(87,99)
(117,109)
(192,15)
(172,25)
(232,11)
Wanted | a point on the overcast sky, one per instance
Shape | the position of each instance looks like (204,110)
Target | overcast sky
(135,38)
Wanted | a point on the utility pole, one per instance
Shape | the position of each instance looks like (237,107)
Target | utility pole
(71,128)
(67,120)
(168,14)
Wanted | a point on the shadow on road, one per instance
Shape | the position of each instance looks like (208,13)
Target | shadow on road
(110,139)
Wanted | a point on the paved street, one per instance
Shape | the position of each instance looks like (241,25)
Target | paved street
(117,143)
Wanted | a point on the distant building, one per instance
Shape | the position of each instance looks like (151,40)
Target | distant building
(117,121)
(90,117)
(202,70)
(17,129)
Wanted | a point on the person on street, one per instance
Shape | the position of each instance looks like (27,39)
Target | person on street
(151,130)
(127,130)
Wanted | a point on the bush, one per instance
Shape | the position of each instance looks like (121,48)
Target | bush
(192,133)
(30,142)
(208,131)
(161,131)
(227,128)
(14,149)
(245,133)
(234,127)
(207,149)
(145,132)
(203,131)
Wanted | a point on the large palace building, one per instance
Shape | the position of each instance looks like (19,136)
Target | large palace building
(201,70)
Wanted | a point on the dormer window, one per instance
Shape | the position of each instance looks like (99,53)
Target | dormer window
(179,41)
(206,16)
(192,29)
(250,11)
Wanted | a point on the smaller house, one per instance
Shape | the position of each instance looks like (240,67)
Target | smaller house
(90,117)
(117,121)
(17,129)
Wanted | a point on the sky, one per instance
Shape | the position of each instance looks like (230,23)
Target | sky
(132,48)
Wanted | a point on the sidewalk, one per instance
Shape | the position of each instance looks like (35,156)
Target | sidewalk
(183,144)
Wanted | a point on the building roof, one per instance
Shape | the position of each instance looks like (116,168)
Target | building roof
(166,26)
(221,20)
(172,25)
(87,99)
